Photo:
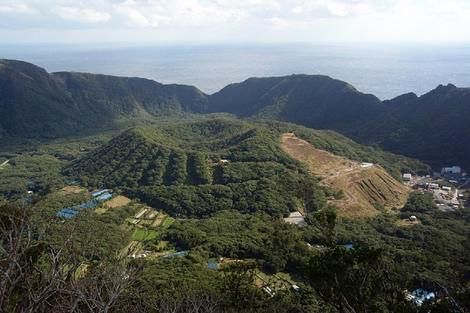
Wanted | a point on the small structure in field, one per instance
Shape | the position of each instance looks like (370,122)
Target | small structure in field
(223,162)
(296,218)
(446,188)
(177,254)
(366,164)
(295,288)
(419,296)
(432,185)
(407,177)
(97,193)
(212,264)
(413,218)
(104,197)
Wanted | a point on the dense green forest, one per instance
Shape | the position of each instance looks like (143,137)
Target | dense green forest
(198,168)
(34,103)
(201,167)
(432,127)
(385,259)
(203,228)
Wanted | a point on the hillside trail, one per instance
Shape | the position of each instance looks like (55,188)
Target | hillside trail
(367,188)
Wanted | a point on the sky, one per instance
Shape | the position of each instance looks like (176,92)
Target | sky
(160,21)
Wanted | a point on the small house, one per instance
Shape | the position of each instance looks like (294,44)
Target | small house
(296,218)
(407,177)
(413,218)
(432,185)
(419,296)
(295,288)
(446,188)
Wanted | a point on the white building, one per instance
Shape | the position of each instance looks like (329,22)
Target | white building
(407,177)
(296,218)
(432,185)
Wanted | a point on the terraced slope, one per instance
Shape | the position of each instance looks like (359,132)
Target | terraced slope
(367,187)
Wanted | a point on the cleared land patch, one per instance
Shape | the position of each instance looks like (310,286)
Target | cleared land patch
(366,187)
(117,202)
(72,190)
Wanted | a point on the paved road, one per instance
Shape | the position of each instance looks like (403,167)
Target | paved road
(455,199)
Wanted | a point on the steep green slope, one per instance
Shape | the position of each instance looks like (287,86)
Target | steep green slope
(122,95)
(32,102)
(195,168)
(434,127)
(314,101)
(35,103)
(181,168)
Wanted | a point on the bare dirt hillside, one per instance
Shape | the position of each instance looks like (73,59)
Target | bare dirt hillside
(366,187)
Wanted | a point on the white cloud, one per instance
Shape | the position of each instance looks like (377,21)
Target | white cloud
(177,13)
(338,9)
(334,8)
(83,15)
(279,23)
(335,20)
(18,8)
(298,9)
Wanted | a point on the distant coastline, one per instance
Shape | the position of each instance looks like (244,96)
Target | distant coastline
(385,71)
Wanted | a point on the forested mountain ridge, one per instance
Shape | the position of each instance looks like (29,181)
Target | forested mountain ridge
(311,100)
(198,167)
(434,127)
(36,103)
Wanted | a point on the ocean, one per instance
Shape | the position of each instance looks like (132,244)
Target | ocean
(383,70)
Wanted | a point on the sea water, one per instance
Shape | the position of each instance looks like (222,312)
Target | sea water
(383,70)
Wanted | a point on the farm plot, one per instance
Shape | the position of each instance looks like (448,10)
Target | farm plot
(148,224)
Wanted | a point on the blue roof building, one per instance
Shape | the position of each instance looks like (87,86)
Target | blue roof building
(177,254)
(99,192)
(104,197)
(100,196)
